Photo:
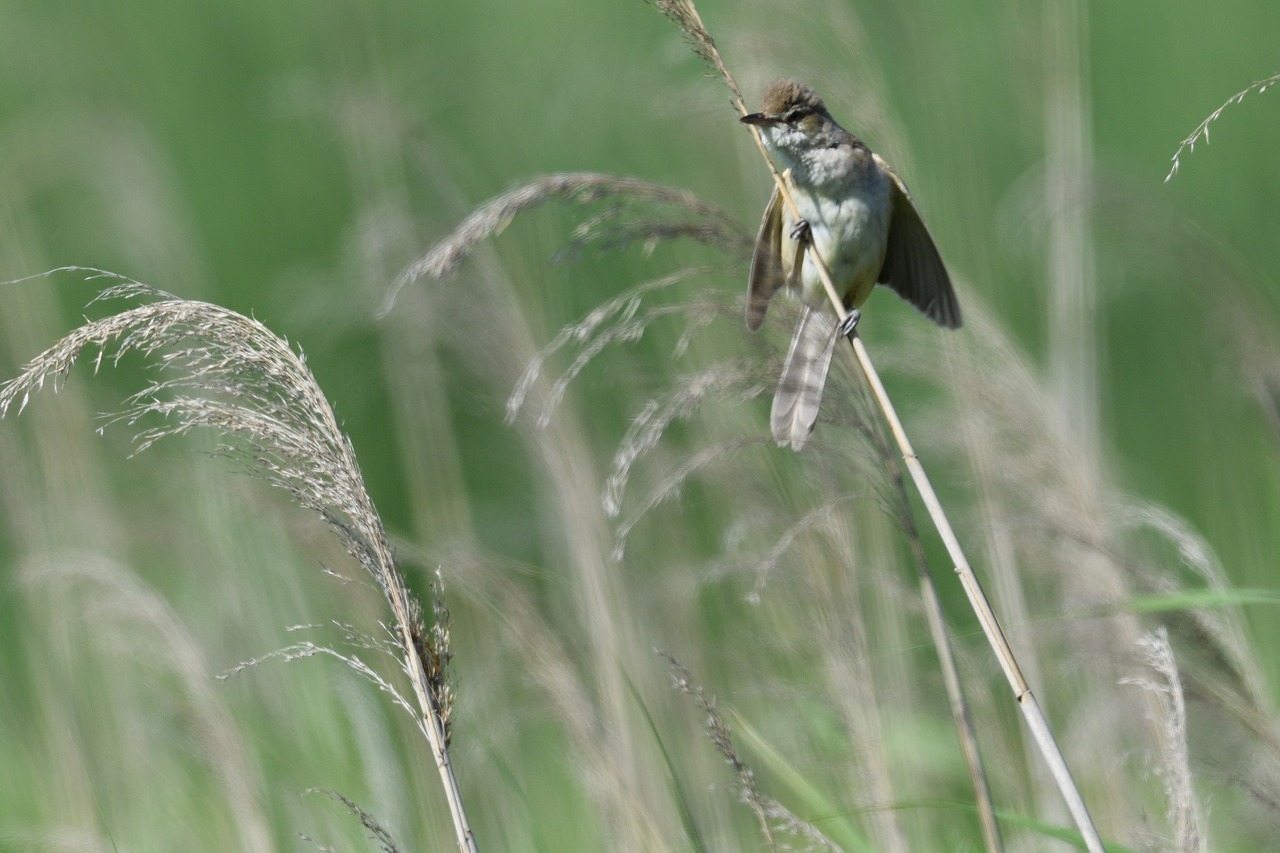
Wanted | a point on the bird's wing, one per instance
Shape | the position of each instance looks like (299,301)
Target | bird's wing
(766,263)
(912,266)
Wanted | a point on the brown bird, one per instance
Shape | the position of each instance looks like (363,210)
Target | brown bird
(859,217)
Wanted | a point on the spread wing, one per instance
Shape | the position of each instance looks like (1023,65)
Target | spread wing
(766,263)
(912,266)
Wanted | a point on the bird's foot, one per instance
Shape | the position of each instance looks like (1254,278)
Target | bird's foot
(849,323)
(802,233)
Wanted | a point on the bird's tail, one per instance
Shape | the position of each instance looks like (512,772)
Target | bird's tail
(795,404)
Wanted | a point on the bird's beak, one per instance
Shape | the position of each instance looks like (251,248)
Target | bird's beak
(759,119)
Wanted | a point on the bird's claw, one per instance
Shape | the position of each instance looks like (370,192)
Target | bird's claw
(849,323)
(802,232)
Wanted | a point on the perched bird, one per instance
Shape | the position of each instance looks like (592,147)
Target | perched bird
(859,217)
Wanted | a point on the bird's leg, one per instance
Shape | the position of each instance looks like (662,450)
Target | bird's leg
(798,265)
(802,234)
(849,323)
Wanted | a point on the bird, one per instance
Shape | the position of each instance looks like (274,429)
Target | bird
(859,217)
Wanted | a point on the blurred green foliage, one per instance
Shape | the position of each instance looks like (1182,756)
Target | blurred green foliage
(289,159)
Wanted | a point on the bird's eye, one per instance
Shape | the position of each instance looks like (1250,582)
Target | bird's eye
(798,114)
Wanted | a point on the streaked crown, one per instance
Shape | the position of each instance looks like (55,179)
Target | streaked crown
(783,96)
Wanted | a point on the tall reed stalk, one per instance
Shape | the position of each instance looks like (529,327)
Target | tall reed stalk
(685,14)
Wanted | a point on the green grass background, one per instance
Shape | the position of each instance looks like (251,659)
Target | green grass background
(289,159)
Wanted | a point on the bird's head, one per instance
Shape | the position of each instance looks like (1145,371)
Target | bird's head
(793,119)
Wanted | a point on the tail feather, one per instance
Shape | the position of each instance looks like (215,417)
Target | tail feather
(804,373)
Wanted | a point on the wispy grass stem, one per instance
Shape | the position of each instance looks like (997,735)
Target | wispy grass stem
(230,373)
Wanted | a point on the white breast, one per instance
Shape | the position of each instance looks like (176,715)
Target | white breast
(850,227)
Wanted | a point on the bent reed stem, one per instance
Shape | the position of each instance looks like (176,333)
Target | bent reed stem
(1022,693)
(685,15)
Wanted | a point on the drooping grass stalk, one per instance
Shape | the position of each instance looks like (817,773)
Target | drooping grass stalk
(1188,145)
(1183,813)
(231,374)
(491,218)
(368,821)
(686,16)
(773,818)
